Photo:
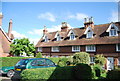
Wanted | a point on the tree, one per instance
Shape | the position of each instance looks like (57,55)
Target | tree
(81,57)
(22,46)
(39,55)
(100,59)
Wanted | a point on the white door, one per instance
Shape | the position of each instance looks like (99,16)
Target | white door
(110,63)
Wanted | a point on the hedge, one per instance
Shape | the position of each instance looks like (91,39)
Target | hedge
(113,74)
(58,73)
(10,61)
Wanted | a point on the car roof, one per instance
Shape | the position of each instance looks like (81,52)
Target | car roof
(34,58)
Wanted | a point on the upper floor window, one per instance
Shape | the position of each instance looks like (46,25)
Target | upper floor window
(75,48)
(46,39)
(90,48)
(113,30)
(89,34)
(117,47)
(55,49)
(72,36)
(40,49)
(58,37)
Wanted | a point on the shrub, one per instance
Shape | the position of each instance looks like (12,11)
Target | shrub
(81,57)
(100,59)
(39,55)
(82,71)
(47,74)
(10,61)
(98,70)
(113,74)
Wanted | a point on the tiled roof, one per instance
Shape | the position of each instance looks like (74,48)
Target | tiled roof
(100,37)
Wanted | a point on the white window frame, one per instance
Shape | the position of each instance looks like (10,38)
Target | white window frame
(46,39)
(92,59)
(113,33)
(90,50)
(54,49)
(72,36)
(89,34)
(75,48)
(117,47)
(39,49)
(58,37)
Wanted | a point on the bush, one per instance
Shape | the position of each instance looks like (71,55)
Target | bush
(82,71)
(47,74)
(98,70)
(100,59)
(61,61)
(113,74)
(81,57)
(10,61)
(39,55)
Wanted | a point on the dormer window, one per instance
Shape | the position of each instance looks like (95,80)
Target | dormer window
(113,30)
(89,32)
(58,37)
(72,36)
(46,39)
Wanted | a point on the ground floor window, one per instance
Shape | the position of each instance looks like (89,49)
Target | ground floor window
(92,59)
(55,49)
(75,48)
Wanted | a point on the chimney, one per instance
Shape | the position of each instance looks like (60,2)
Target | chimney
(1,16)
(64,27)
(10,29)
(89,22)
(45,30)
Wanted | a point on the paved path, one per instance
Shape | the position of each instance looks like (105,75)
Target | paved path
(4,78)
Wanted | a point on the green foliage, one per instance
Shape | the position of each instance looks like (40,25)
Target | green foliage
(82,71)
(10,61)
(21,46)
(98,70)
(47,74)
(61,61)
(100,59)
(113,74)
(81,57)
(39,55)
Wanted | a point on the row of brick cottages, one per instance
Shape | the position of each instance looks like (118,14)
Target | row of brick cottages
(94,39)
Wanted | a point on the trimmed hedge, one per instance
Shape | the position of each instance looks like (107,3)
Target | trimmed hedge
(47,74)
(81,71)
(10,61)
(113,74)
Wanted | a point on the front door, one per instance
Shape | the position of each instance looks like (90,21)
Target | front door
(110,63)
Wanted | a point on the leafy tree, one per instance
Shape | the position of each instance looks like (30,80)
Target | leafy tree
(81,57)
(39,55)
(22,46)
(100,59)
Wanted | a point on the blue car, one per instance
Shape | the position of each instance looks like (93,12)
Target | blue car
(8,70)
(31,63)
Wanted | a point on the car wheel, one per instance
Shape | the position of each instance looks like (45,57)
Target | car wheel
(10,73)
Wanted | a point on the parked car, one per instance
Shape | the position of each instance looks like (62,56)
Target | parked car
(7,70)
(31,63)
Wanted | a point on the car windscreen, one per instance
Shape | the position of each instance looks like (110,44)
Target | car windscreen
(22,62)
